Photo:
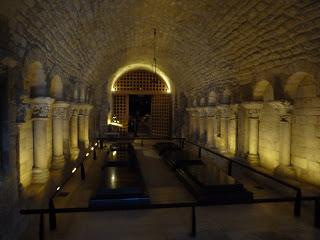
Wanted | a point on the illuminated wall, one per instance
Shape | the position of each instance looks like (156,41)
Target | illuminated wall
(269,137)
(25,149)
(288,116)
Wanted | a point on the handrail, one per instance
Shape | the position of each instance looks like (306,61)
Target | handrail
(246,166)
(52,211)
(79,164)
(298,198)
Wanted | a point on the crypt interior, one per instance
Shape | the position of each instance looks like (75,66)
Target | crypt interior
(231,85)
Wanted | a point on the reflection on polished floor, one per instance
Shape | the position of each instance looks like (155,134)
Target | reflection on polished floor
(245,221)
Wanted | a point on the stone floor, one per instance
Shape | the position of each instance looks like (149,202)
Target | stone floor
(255,221)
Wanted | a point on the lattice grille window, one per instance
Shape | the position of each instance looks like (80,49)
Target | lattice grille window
(161,114)
(120,111)
(140,80)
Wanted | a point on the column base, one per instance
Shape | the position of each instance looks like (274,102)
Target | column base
(210,146)
(253,159)
(86,144)
(285,171)
(223,148)
(74,153)
(40,175)
(58,162)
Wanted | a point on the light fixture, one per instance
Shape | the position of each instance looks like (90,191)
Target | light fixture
(92,148)
(58,188)
(73,170)
(87,154)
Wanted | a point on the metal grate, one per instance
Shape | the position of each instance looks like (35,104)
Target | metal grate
(161,115)
(140,80)
(120,111)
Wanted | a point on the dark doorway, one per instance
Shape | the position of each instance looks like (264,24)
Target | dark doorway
(140,114)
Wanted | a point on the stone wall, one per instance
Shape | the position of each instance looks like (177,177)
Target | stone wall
(241,51)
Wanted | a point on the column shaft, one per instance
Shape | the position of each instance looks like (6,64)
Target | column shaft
(86,130)
(41,108)
(210,131)
(232,138)
(66,136)
(253,139)
(74,135)
(40,155)
(285,142)
(224,134)
(59,113)
(81,129)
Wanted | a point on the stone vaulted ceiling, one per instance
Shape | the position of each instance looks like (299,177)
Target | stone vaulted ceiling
(200,42)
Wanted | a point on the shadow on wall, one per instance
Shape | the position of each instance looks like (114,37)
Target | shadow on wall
(4,33)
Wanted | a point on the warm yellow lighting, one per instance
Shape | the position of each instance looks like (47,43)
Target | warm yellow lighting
(87,154)
(96,144)
(114,153)
(92,148)
(73,170)
(58,188)
(135,66)
(115,124)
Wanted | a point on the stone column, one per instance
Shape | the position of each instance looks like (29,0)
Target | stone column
(59,112)
(210,126)
(193,123)
(87,125)
(284,168)
(74,147)
(224,128)
(253,109)
(66,133)
(202,126)
(41,107)
(81,127)
(232,129)
(216,128)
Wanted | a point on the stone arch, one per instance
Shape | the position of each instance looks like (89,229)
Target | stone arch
(212,98)
(35,80)
(226,96)
(56,87)
(263,90)
(202,101)
(299,85)
(194,102)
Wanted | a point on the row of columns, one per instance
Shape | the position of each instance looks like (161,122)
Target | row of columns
(220,126)
(72,129)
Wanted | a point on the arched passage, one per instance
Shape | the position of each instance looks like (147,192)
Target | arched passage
(263,90)
(141,103)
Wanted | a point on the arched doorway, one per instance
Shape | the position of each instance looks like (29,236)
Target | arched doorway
(142,104)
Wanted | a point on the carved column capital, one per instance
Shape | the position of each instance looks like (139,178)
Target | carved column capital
(84,109)
(59,110)
(192,111)
(224,110)
(283,108)
(233,111)
(202,112)
(253,108)
(23,112)
(210,111)
(41,107)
